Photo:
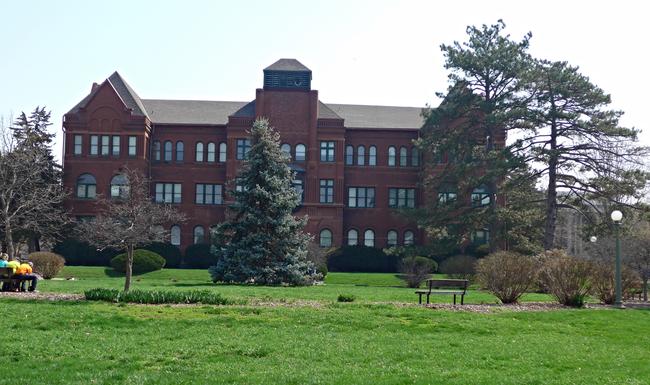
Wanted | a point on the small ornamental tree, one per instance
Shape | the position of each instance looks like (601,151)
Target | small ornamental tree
(129,221)
(262,242)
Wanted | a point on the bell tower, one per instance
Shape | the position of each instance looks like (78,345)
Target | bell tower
(287,74)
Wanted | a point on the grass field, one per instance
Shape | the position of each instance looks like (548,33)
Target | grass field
(354,343)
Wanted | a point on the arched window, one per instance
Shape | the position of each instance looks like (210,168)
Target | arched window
(372,156)
(353,237)
(168,151)
(199,152)
(199,234)
(212,149)
(349,155)
(391,238)
(301,152)
(175,236)
(119,186)
(391,155)
(325,238)
(480,196)
(286,148)
(361,155)
(409,238)
(403,157)
(415,157)
(86,186)
(222,152)
(369,238)
(180,151)
(156,150)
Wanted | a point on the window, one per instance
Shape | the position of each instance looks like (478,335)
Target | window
(77,145)
(116,145)
(361,197)
(403,157)
(327,151)
(480,197)
(391,156)
(361,155)
(325,239)
(447,194)
(199,152)
(94,145)
(168,193)
(86,186)
(212,152)
(372,156)
(326,190)
(286,149)
(481,237)
(349,155)
(168,151)
(391,238)
(222,152)
(199,234)
(243,146)
(301,152)
(175,236)
(353,237)
(415,157)
(156,151)
(409,238)
(119,187)
(180,151)
(209,194)
(133,145)
(369,238)
(401,197)
(297,185)
(105,145)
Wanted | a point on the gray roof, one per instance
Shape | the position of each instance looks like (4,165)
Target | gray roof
(287,65)
(324,112)
(195,111)
(125,92)
(362,116)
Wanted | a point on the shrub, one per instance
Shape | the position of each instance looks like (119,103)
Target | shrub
(144,261)
(47,264)
(77,253)
(459,266)
(159,296)
(566,277)
(416,269)
(361,259)
(198,256)
(346,298)
(507,275)
(603,281)
(171,253)
(318,256)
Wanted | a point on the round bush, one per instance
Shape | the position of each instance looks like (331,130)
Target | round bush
(47,264)
(566,277)
(199,257)
(507,275)
(416,269)
(171,253)
(459,266)
(144,261)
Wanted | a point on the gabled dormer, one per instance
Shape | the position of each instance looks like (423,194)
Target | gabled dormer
(287,74)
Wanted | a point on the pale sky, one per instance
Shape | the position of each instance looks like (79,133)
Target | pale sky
(360,52)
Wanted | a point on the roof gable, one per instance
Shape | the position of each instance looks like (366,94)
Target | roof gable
(121,88)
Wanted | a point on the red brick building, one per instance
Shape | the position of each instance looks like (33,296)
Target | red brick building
(354,163)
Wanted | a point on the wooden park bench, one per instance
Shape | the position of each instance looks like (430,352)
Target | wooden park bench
(444,287)
(9,281)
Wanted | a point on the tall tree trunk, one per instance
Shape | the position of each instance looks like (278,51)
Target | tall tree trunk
(645,289)
(129,267)
(551,193)
(9,239)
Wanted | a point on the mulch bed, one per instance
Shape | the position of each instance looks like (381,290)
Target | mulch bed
(26,295)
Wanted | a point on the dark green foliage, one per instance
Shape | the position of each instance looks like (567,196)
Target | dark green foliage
(362,259)
(262,242)
(77,253)
(459,266)
(346,298)
(171,253)
(207,297)
(198,256)
(144,261)
(416,269)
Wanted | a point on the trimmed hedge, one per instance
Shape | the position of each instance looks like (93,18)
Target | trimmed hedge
(362,259)
(199,257)
(78,253)
(159,296)
(171,253)
(144,261)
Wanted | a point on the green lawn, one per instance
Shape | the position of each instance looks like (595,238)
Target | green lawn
(353,343)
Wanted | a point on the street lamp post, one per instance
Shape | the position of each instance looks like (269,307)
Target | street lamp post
(616,217)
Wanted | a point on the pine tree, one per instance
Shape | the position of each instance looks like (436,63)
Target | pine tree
(262,242)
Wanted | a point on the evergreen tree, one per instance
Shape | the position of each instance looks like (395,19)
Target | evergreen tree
(262,242)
